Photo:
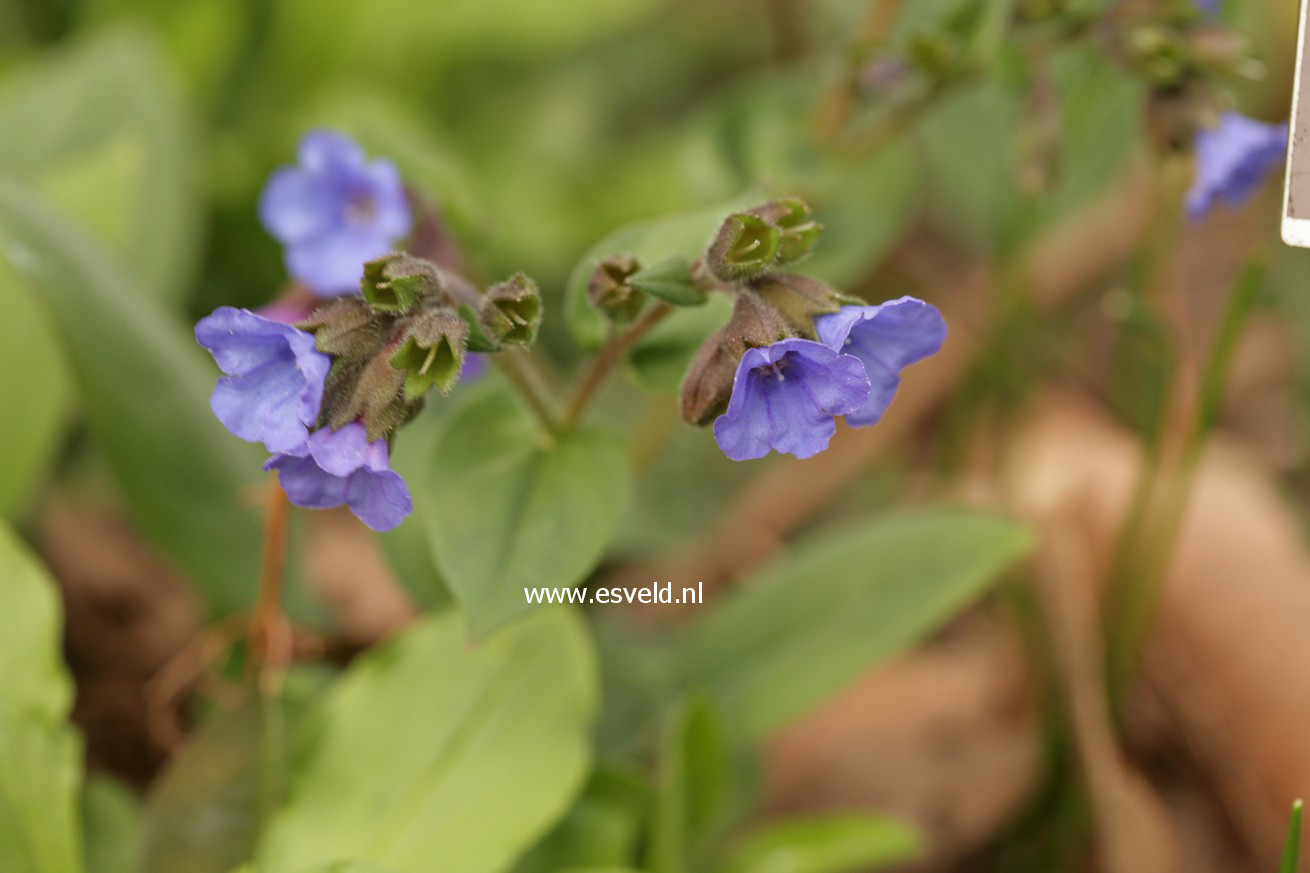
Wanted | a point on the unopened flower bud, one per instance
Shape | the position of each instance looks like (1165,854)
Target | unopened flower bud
(799,300)
(511,311)
(610,291)
(745,247)
(398,281)
(708,384)
(347,329)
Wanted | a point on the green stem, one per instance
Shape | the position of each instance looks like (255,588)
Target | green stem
(524,380)
(610,355)
(1143,572)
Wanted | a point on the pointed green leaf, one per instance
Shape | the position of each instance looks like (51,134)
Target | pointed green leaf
(144,388)
(804,627)
(834,843)
(35,393)
(1292,848)
(99,129)
(669,280)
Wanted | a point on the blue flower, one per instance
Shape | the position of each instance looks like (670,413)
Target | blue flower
(340,467)
(886,338)
(334,212)
(1232,159)
(784,398)
(274,382)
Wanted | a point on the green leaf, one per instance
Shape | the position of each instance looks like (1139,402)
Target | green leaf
(331,867)
(144,387)
(804,627)
(204,812)
(505,510)
(670,280)
(99,129)
(1292,848)
(111,822)
(834,843)
(35,393)
(40,754)
(694,785)
(406,546)
(601,831)
(429,749)
(683,236)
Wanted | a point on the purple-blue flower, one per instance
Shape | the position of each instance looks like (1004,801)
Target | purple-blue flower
(1232,159)
(334,212)
(784,398)
(342,467)
(274,382)
(886,338)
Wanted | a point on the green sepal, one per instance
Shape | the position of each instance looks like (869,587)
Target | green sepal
(799,300)
(511,310)
(478,339)
(670,280)
(398,281)
(799,232)
(347,328)
(431,353)
(707,386)
(610,288)
(745,247)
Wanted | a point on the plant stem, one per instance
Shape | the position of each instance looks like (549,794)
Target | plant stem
(525,381)
(610,355)
(1142,577)
(270,632)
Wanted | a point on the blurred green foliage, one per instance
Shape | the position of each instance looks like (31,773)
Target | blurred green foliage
(136,138)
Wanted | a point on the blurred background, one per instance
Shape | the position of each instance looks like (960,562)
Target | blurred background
(1130,385)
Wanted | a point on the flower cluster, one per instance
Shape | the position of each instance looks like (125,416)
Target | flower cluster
(1232,159)
(796,354)
(786,396)
(325,390)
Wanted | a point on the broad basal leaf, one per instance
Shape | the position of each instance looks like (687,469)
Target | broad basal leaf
(99,129)
(810,623)
(506,510)
(40,755)
(144,387)
(431,754)
(205,809)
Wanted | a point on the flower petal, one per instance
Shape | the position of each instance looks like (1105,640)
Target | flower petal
(306,484)
(886,338)
(345,450)
(380,499)
(392,217)
(333,263)
(296,205)
(784,397)
(1232,159)
(254,405)
(327,150)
